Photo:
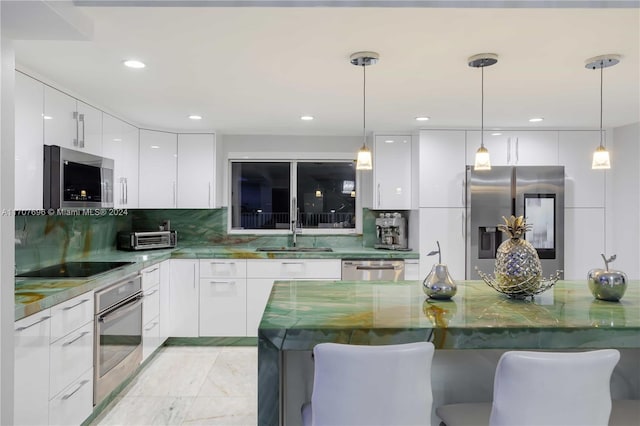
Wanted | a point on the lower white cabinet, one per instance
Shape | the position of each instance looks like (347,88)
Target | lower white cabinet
(411,269)
(261,274)
(31,377)
(223,297)
(74,403)
(446,225)
(165,300)
(184,314)
(151,338)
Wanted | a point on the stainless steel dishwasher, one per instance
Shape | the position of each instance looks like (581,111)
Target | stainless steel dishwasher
(372,269)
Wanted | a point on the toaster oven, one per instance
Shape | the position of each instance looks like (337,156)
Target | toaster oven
(146,240)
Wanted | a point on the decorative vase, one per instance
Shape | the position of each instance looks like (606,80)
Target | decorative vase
(518,272)
(606,284)
(438,283)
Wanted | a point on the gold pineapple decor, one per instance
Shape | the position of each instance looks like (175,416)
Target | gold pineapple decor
(518,272)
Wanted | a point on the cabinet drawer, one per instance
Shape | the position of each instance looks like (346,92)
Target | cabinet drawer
(151,339)
(294,268)
(211,268)
(69,315)
(70,357)
(151,304)
(75,403)
(150,276)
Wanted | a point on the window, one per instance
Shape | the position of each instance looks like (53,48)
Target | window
(267,195)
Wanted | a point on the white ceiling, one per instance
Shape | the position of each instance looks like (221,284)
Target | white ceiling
(251,70)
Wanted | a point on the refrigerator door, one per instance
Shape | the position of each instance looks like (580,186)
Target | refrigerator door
(539,197)
(489,197)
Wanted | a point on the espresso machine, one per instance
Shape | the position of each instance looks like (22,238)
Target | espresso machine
(391,232)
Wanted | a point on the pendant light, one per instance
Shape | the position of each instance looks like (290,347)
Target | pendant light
(364,59)
(483,161)
(601,160)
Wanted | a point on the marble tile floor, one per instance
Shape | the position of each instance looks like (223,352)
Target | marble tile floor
(190,385)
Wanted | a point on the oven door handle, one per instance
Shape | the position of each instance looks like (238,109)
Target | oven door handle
(120,310)
(376,268)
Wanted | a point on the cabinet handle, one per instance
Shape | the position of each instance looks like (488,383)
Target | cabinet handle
(121,190)
(152,326)
(77,138)
(508,150)
(151,270)
(209,195)
(174,193)
(462,224)
(80,336)
(517,150)
(378,194)
(80,385)
(463,199)
(222,263)
(194,275)
(126,191)
(81,119)
(77,304)
(292,263)
(223,282)
(152,292)
(31,325)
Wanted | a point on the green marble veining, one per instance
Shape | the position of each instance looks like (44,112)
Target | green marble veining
(477,317)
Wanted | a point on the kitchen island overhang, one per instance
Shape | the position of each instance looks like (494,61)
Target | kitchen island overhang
(301,314)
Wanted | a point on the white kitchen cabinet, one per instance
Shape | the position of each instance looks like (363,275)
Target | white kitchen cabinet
(29,137)
(583,186)
(223,297)
(165,300)
(196,171)
(120,143)
(584,230)
(158,177)
(446,225)
(411,269)
(516,148)
(70,123)
(392,176)
(71,357)
(31,370)
(184,315)
(151,339)
(261,273)
(442,168)
(74,403)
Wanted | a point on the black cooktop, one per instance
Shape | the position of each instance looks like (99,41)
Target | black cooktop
(74,269)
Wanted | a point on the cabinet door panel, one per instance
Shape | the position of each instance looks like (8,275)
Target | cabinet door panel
(70,357)
(516,148)
(442,168)
(584,241)
(165,300)
(446,225)
(184,298)
(60,125)
(258,291)
(157,169)
(496,145)
(151,339)
(75,403)
(583,186)
(29,137)
(120,143)
(90,122)
(223,306)
(196,155)
(392,172)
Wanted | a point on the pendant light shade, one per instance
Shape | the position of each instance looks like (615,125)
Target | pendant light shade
(364,160)
(483,160)
(601,160)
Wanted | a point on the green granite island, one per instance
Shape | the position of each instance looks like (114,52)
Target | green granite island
(470,332)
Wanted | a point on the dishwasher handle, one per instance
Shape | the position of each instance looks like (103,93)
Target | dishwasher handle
(379,267)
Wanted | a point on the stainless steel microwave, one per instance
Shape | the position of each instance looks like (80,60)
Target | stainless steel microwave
(74,179)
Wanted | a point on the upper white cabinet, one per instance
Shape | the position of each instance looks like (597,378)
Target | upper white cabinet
(120,143)
(71,123)
(29,128)
(196,166)
(392,159)
(446,225)
(442,168)
(516,148)
(583,186)
(158,177)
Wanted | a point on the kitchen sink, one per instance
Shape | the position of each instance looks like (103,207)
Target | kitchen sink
(296,249)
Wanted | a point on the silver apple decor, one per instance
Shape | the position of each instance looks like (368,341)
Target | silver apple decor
(606,284)
(438,283)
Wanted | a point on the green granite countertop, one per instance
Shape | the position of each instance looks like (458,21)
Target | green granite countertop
(35,294)
(300,314)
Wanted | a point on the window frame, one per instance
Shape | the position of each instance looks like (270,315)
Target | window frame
(293,161)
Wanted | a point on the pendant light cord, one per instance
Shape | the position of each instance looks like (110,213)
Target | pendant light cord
(601,73)
(482,105)
(364,105)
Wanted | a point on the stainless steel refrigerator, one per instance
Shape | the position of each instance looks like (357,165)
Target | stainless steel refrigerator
(535,192)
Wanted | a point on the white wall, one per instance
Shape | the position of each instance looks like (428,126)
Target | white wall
(623,200)
(345,146)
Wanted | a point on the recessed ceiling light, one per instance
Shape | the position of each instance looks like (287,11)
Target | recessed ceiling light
(496,134)
(535,119)
(133,63)
(195,117)
(47,117)
(155,146)
(306,118)
(389,141)
(117,140)
(422,118)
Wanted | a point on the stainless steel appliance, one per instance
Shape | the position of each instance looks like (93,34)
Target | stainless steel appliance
(146,240)
(391,231)
(118,335)
(372,269)
(74,179)
(79,269)
(535,192)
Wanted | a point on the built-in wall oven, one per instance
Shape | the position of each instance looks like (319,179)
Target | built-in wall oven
(118,334)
